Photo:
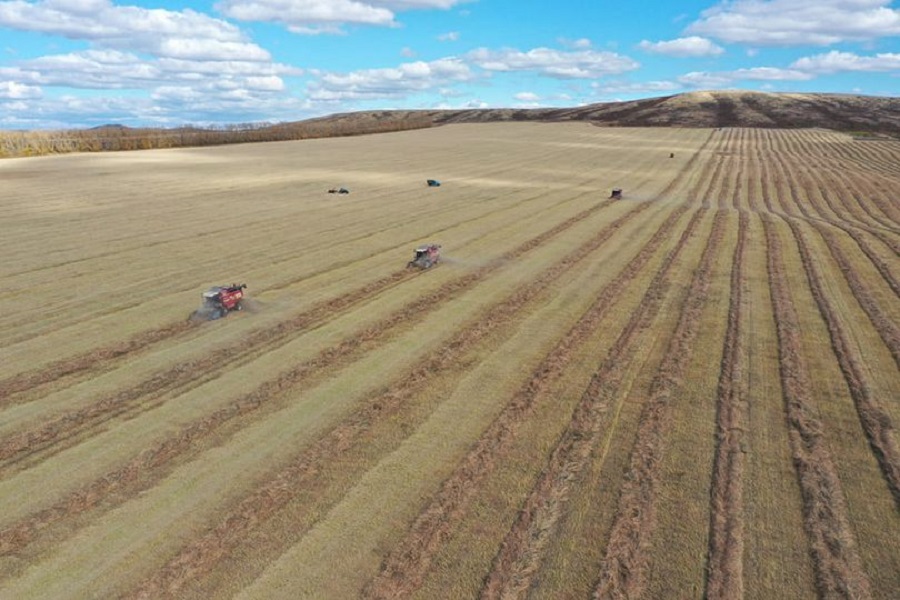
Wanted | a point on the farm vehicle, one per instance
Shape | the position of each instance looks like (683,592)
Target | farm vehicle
(426,256)
(218,301)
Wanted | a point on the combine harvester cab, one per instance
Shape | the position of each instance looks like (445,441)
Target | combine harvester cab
(218,301)
(426,256)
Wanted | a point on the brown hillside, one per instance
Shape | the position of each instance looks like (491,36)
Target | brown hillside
(841,112)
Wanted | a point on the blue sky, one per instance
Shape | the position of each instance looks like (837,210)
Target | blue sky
(82,63)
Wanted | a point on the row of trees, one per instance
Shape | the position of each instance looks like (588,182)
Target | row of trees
(113,138)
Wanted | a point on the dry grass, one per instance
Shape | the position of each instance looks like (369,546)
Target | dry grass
(588,397)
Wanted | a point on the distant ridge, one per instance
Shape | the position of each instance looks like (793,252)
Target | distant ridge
(842,112)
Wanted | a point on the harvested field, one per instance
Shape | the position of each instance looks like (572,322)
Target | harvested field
(690,392)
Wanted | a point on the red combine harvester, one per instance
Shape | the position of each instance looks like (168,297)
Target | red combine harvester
(218,301)
(426,257)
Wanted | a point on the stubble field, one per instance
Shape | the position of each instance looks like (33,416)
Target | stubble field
(690,392)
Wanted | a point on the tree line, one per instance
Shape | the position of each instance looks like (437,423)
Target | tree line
(113,138)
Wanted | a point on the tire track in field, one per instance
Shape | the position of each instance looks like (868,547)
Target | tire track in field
(403,572)
(201,555)
(624,569)
(837,565)
(876,422)
(725,570)
(124,403)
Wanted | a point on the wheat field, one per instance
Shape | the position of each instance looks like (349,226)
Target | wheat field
(689,392)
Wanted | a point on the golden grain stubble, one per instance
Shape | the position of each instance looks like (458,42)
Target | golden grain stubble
(297,447)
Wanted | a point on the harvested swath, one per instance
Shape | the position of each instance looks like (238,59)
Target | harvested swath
(403,571)
(202,554)
(836,561)
(887,329)
(524,545)
(876,422)
(139,468)
(97,359)
(127,401)
(88,361)
(726,543)
(623,571)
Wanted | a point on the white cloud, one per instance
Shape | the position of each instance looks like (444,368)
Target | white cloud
(451,36)
(527,97)
(326,16)
(12,90)
(640,87)
(395,82)
(835,62)
(184,34)
(584,64)
(693,46)
(706,80)
(798,22)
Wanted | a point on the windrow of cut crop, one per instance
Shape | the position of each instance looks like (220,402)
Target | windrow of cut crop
(152,459)
(876,422)
(887,329)
(97,359)
(869,212)
(127,403)
(522,550)
(403,571)
(862,214)
(828,185)
(836,560)
(624,569)
(725,578)
(524,545)
(202,554)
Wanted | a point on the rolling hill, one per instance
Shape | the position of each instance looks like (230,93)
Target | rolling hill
(841,112)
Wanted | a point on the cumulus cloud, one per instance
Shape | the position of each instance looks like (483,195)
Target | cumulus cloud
(836,62)
(326,16)
(707,80)
(582,64)
(527,97)
(451,36)
(182,34)
(798,22)
(686,47)
(12,90)
(395,82)
(637,87)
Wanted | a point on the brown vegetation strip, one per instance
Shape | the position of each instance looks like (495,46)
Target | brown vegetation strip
(403,571)
(114,405)
(202,554)
(94,359)
(887,329)
(624,568)
(876,422)
(726,544)
(83,362)
(837,564)
(17,536)
(524,545)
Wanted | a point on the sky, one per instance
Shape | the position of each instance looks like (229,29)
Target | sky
(167,63)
